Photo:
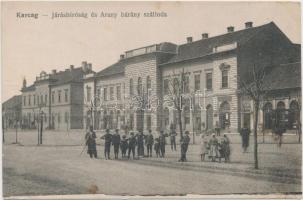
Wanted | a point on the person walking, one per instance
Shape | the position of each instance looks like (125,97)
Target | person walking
(279,130)
(173,135)
(123,146)
(226,148)
(213,148)
(140,143)
(116,143)
(203,146)
(149,141)
(245,132)
(107,143)
(132,142)
(184,141)
(90,142)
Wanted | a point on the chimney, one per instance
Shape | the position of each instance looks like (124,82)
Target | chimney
(189,39)
(248,25)
(89,66)
(230,29)
(204,35)
(121,56)
(54,71)
(71,67)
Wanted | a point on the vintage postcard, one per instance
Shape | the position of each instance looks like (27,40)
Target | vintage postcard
(151,98)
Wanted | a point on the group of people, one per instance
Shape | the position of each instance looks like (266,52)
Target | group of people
(215,147)
(128,145)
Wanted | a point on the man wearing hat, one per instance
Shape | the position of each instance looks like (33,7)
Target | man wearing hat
(140,143)
(90,139)
(132,142)
(149,141)
(184,141)
(124,146)
(107,142)
(116,143)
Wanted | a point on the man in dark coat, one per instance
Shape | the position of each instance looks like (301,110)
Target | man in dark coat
(173,135)
(90,139)
(124,146)
(245,132)
(140,142)
(107,142)
(162,143)
(149,141)
(116,143)
(132,142)
(279,130)
(184,146)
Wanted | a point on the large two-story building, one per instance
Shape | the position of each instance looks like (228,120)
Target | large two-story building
(211,69)
(55,97)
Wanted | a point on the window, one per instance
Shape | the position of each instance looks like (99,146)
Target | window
(88,93)
(186,84)
(45,99)
(38,98)
(148,83)
(53,97)
(105,94)
(166,85)
(24,100)
(131,87)
(41,98)
(66,95)
(118,92)
(197,82)
(186,115)
(59,118)
(59,96)
(209,81)
(224,78)
(98,92)
(111,93)
(139,88)
(66,117)
(29,99)
(34,99)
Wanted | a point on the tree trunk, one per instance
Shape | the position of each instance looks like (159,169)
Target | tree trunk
(256,135)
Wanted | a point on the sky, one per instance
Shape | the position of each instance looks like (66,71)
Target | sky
(31,45)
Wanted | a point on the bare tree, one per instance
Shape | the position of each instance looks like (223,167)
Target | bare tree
(256,89)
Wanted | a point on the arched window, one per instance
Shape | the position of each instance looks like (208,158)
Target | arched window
(281,114)
(224,116)
(166,117)
(267,115)
(131,87)
(294,115)
(139,86)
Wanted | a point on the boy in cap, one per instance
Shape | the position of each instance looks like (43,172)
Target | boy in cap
(132,142)
(107,142)
(124,146)
(116,143)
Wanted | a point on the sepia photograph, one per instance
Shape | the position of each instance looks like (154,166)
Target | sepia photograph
(151,98)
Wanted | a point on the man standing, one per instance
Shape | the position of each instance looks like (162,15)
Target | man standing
(90,139)
(184,146)
(132,142)
(140,141)
(149,141)
(173,135)
(107,142)
(116,143)
(245,138)
(162,143)
(217,129)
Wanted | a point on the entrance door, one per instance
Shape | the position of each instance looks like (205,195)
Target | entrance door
(209,117)
(246,120)
(140,120)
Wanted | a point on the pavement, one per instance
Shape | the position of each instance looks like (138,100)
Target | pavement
(38,166)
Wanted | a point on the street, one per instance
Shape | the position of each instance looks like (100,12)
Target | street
(62,169)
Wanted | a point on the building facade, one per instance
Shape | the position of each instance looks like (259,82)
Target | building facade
(11,112)
(135,93)
(56,98)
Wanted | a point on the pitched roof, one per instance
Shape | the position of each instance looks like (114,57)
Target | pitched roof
(29,88)
(284,76)
(12,102)
(63,77)
(116,68)
(204,47)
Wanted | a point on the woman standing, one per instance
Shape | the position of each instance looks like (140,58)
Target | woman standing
(203,146)
(213,151)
